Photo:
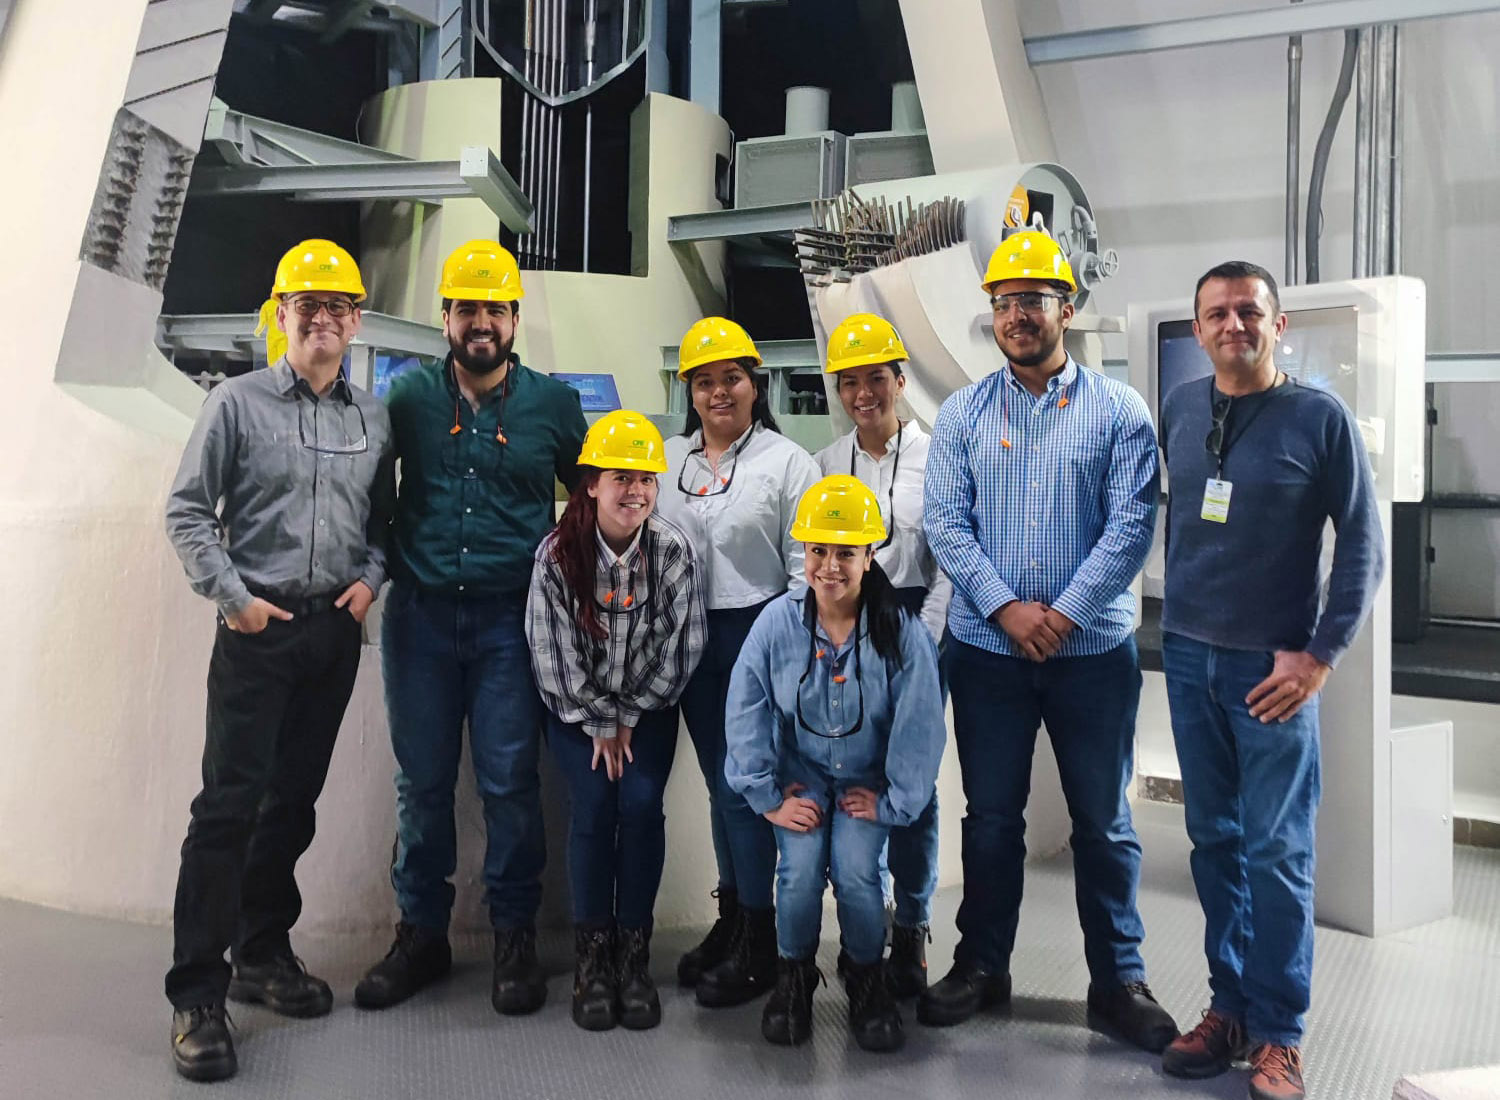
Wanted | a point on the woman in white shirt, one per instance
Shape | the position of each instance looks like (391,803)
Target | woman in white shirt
(733,484)
(890,456)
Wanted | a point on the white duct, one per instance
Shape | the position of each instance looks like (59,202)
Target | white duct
(806,111)
(906,108)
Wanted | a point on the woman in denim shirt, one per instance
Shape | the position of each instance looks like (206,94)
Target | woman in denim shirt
(834,746)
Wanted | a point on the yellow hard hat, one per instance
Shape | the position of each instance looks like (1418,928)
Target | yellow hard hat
(839,509)
(481,271)
(318,265)
(314,264)
(713,339)
(624,440)
(1029,254)
(861,340)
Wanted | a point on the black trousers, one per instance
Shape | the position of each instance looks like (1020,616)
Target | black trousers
(275,702)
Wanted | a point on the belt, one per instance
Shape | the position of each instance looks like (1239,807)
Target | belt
(302,605)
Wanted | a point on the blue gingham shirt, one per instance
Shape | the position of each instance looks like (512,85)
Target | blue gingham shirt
(1064,515)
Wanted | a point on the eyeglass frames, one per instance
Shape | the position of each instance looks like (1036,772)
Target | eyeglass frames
(817,653)
(337,308)
(1027,301)
(356,447)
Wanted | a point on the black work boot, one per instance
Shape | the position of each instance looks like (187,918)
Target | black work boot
(283,985)
(519,986)
(787,1019)
(750,968)
(873,1016)
(965,990)
(715,946)
(594,984)
(906,969)
(640,1007)
(201,1047)
(1129,1011)
(418,958)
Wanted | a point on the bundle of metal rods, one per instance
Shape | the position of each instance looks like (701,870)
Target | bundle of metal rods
(851,235)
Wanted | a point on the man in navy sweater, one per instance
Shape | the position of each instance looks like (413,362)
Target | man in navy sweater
(1257,466)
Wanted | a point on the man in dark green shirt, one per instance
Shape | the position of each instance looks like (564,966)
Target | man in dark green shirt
(480,440)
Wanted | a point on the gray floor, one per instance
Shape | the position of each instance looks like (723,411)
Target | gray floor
(81,1015)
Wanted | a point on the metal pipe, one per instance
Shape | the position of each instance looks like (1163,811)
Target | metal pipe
(588,126)
(1362,97)
(1321,153)
(1397,125)
(1455,620)
(1293,150)
(1380,161)
(556,113)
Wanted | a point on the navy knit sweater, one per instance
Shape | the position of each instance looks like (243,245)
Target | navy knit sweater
(1295,460)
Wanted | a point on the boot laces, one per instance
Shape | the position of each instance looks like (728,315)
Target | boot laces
(867,989)
(1279,1063)
(200,1015)
(595,961)
(1211,1028)
(511,942)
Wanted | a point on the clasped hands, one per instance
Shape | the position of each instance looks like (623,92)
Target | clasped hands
(1037,629)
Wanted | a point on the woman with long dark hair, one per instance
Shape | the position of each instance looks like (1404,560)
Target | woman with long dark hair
(616,625)
(835,749)
(733,484)
(889,455)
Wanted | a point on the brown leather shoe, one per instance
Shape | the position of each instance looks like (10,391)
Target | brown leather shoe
(1276,1073)
(1207,1050)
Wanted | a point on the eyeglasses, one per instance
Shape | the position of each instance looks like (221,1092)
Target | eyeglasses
(356,447)
(1220,414)
(711,490)
(816,653)
(338,308)
(1027,301)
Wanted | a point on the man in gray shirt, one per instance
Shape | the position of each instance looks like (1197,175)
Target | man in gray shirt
(278,512)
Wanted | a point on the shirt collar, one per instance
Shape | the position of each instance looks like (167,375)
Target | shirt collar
(695,441)
(908,433)
(1062,379)
(450,378)
(610,557)
(286,380)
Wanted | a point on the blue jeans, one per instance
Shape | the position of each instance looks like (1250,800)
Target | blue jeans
(744,848)
(617,835)
(913,864)
(847,850)
(1252,792)
(450,660)
(1088,705)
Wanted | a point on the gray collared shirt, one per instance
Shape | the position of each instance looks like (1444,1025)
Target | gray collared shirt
(281,493)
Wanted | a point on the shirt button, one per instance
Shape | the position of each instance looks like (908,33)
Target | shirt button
(836,767)
(460,588)
(1034,484)
(473,431)
(322,523)
(1033,562)
(1033,523)
(836,702)
(471,469)
(467,510)
(466,550)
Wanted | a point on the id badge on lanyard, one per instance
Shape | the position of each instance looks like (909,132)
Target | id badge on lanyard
(1216,500)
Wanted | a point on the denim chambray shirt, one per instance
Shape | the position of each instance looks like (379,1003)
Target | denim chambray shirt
(896,751)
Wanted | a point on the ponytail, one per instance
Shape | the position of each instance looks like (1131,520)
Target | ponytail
(883,612)
(575,550)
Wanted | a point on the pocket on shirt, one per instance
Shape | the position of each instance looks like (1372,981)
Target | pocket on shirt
(272,459)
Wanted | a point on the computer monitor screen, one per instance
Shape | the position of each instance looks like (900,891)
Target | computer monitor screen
(1318,348)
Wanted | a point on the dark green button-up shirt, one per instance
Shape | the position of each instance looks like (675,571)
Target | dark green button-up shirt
(470,509)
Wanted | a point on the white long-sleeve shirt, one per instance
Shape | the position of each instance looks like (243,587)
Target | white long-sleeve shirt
(739,512)
(896,481)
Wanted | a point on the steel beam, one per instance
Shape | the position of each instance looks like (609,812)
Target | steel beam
(1208,30)
(477,173)
(259,142)
(234,333)
(779,220)
(345,16)
(1461,366)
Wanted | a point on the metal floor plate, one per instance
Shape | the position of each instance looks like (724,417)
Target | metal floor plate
(81,1015)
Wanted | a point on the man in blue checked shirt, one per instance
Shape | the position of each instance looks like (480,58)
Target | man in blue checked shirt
(1041,493)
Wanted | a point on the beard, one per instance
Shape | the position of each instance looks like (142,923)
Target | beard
(483,363)
(1045,349)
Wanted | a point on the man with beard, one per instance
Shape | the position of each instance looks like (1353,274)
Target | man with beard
(1041,491)
(480,439)
(279,512)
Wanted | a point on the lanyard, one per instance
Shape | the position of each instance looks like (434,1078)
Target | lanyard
(895,469)
(1223,451)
